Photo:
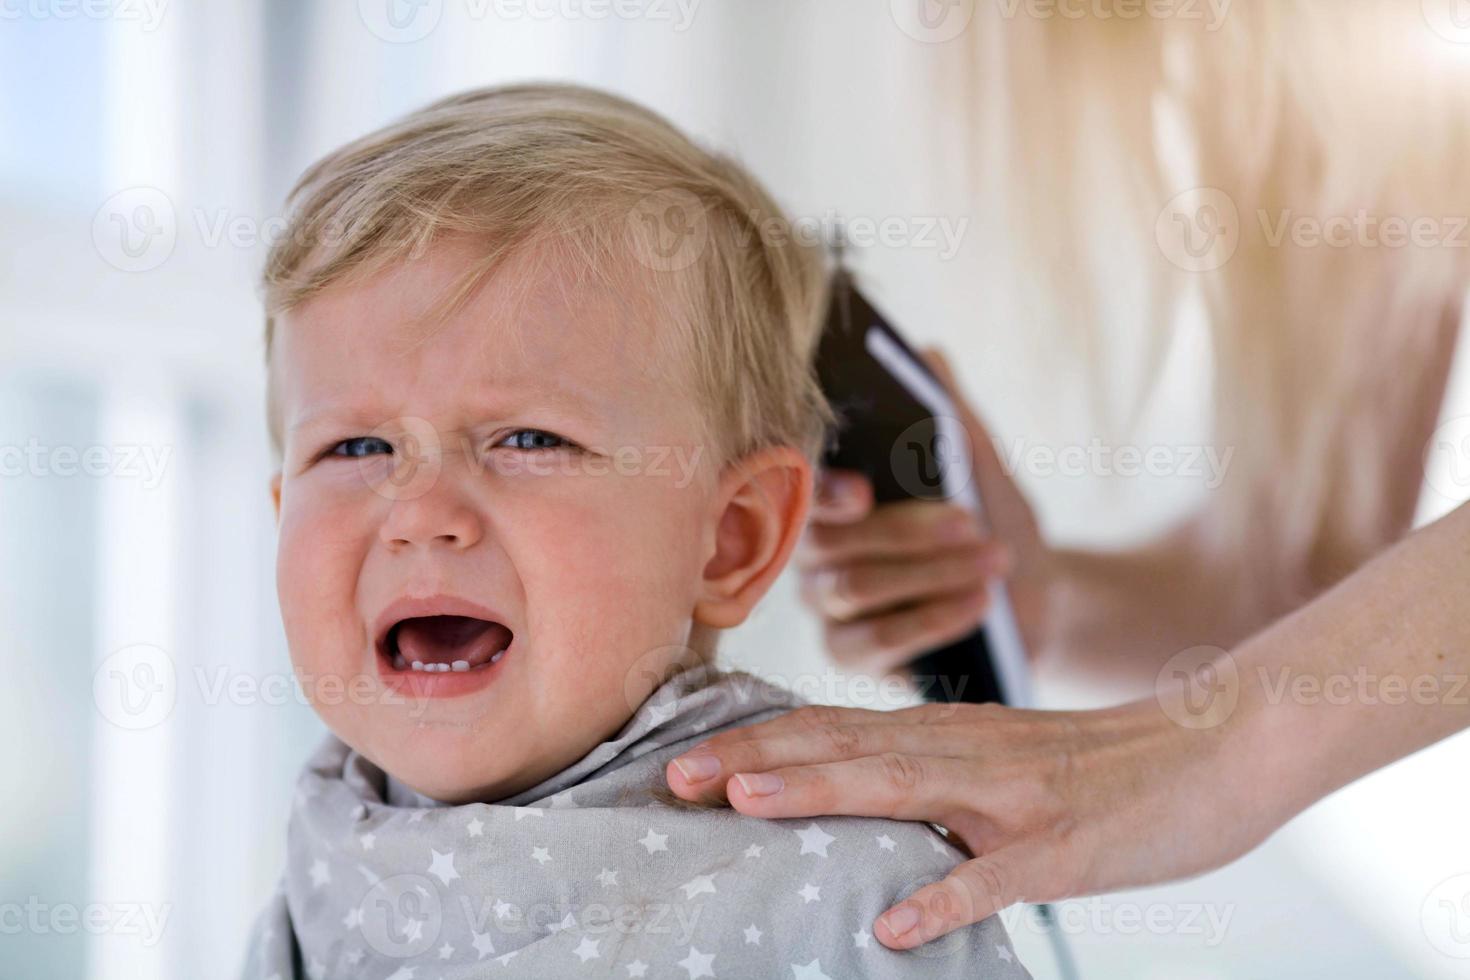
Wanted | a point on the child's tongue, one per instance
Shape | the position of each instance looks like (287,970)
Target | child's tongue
(445,639)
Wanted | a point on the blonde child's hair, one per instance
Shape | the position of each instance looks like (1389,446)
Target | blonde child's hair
(589,178)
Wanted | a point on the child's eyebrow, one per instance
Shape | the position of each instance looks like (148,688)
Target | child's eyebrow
(550,397)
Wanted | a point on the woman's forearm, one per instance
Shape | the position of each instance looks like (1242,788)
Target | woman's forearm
(1375,669)
(1114,618)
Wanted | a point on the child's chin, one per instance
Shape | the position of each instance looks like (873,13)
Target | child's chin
(450,777)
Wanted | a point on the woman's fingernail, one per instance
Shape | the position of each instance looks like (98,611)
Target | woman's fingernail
(901,920)
(760,783)
(698,768)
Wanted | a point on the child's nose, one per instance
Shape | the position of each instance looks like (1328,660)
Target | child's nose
(440,517)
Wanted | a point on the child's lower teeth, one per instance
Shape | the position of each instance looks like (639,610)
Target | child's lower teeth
(458,666)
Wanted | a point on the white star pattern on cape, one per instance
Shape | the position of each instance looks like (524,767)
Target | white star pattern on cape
(446,951)
(812,971)
(607,877)
(482,944)
(476,827)
(698,964)
(885,842)
(403,973)
(810,893)
(319,873)
(637,968)
(752,935)
(655,841)
(754,851)
(586,949)
(1003,953)
(367,841)
(860,939)
(528,811)
(814,840)
(353,918)
(540,855)
(699,885)
(442,866)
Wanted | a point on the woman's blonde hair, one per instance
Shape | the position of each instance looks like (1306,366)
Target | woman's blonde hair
(601,183)
(1279,110)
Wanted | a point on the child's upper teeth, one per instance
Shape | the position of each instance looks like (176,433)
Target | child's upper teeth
(460,665)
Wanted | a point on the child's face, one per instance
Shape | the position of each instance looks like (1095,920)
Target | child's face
(570,501)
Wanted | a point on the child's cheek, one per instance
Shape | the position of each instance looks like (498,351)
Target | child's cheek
(316,577)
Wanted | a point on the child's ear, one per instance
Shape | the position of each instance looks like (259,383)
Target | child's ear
(276,495)
(760,508)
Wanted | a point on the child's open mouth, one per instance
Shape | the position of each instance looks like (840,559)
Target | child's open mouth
(440,644)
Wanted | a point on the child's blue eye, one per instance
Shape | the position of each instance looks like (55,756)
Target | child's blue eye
(361,446)
(533,439)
